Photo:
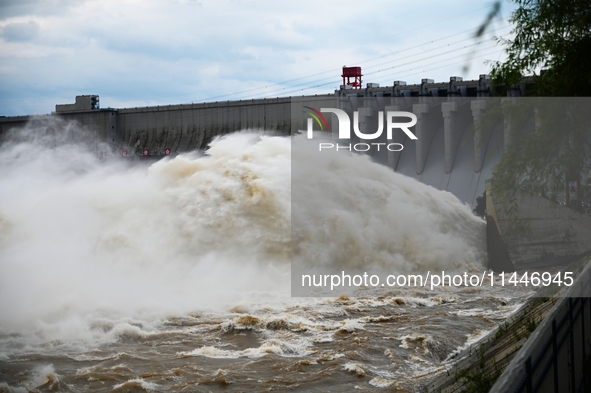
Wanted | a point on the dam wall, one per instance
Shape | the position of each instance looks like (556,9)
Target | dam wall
(160,130)
(182,128)
(452,152)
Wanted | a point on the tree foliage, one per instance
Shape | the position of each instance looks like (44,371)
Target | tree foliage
(551,44)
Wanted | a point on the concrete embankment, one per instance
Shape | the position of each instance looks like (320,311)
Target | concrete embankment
(482,363)
(533,232)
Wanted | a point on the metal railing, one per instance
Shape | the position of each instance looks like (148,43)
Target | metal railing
(557,356)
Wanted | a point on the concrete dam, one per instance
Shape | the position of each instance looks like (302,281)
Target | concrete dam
(448,154)
(150,131)
(462,130)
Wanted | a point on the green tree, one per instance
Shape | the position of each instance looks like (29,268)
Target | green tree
(551,45)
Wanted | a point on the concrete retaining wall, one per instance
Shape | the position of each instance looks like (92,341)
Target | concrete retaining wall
(544,234)
(556,357)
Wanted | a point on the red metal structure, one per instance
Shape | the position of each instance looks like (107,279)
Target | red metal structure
(352,73)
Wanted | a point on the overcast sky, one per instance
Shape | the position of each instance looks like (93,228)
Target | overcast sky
(143,52)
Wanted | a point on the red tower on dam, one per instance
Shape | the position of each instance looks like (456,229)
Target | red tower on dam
(352,77)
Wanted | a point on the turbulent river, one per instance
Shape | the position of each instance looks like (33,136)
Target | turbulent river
(175,276)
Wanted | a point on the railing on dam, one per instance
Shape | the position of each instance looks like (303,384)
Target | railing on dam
(557,357)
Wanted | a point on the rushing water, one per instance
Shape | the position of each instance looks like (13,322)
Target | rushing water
(175,276)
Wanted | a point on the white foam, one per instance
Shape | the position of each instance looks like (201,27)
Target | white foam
(112,249)
(354,368)
(379,382)
(273,346)
(103,241)
(421,342)
(4,387)
(351,325)
(355,214)
(143,384)
(473,338)
(41,375)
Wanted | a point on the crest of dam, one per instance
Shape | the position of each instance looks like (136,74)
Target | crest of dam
(452,152)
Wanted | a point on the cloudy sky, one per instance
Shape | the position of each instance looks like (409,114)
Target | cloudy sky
(156,52)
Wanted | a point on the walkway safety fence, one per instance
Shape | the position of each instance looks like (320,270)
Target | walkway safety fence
(557,356)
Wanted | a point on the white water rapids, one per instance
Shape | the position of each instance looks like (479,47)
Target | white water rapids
(92,251)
